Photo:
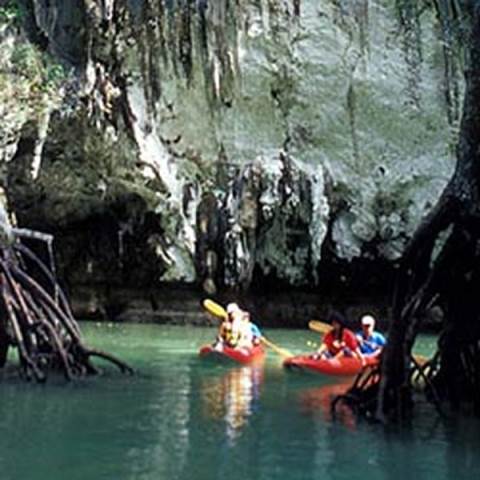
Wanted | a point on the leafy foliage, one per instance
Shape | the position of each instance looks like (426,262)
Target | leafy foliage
(10,12)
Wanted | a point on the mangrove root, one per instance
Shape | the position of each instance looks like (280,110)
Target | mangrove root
(35,318)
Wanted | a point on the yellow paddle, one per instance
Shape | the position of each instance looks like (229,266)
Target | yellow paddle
(214,308)
(276,348)
(217,310)
(322,327)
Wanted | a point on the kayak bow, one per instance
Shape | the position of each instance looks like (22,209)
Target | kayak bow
(239,355)
(342,366)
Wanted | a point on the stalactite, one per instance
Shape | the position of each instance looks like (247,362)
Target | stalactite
(410,29)
(148,67)
(160,31)
(172,40)
(185,38)
(351,110)
(202,30)
(267,212)
(152,27)
(364,26)
(353,18)
(451,34)
(297,7)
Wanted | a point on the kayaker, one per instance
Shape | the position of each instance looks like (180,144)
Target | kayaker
(371,342)
(245,333)
(224,336)
(236,315)
(340,341)
(236,329)
(228,334)
(251,333)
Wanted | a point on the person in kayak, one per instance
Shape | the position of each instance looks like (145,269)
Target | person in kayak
(237,331)
(224,335)
(256,332)
(227,334)
(371,342)
(340,341)
(250,334)
(244,331)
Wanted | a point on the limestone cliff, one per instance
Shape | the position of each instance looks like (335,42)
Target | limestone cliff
(219,141)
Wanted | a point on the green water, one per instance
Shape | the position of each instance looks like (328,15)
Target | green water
(184,418)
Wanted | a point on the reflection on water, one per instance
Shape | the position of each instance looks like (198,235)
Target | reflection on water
(232,397)
(318,400)
(181,418)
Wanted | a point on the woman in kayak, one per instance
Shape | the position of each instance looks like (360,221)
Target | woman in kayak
(340,341)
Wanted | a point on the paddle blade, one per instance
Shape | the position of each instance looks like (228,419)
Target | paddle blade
(214,308)
(276,349)
(320,327)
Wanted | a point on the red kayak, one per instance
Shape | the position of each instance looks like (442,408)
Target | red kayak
(239,355)
(342,366)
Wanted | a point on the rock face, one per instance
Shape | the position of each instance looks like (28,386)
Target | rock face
(231,143)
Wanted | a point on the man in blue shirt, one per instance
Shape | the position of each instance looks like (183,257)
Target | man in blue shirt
(371,342)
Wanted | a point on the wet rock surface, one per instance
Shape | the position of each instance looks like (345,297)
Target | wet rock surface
(229,147)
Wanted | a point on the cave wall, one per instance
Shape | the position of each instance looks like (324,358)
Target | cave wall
(227,144)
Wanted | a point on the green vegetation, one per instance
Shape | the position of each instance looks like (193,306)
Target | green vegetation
(30,80)
(38,68)
(26,73)
(10,12)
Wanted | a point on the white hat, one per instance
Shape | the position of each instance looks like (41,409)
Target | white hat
(233,307)
(368,320)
